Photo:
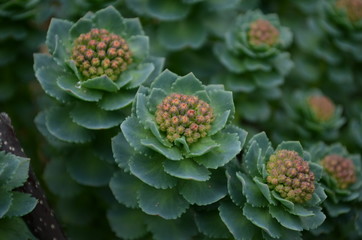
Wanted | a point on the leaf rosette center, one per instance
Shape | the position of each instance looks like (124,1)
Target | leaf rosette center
(322,107)
(353,9)
(262,34)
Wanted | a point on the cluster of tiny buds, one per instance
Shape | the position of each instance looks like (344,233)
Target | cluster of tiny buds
(341,169)
(352,7)
(184,115)
(100,52)
(321,107)
(263,33)
(290,176)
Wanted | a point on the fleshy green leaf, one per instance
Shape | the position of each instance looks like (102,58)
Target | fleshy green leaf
(300,211)
(58,29)
(164,81)
(69,83)
(187,84)
(231,62)
(186,169)
(235,189)
(103,83)
(290,205)
(335,210)
(262,141)
(115,101)
(204,193)
(126,223)
(61,126)
(155,98)
(251,158)
(219,156)
(180,228)
(21,205)
(133,26)
(259,218)
(314,221)
(167,203)
(201,147)
(241,133)
(92,117)
(168,10)
(236,222)
(285,219)
(109,18)
(140,75)
(268,79)
(283,63)
(124,187)
(5,202)
(83,25)
(219,122)
(150,171)
(222,101)
(210,224)
(122,151)
(292,146)
(88,170)
(139,46)
(251,191)
(264,189)
(172,153)
(15,229)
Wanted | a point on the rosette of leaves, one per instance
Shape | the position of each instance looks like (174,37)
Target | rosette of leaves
(93,70)
(342,181)
(14,204)
(274,194)
(171,150)
(313,116)
(185,23)
(253,53)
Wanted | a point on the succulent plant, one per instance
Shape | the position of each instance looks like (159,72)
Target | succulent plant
(342,181)
(94,69)
(253,53)
(173,146)
(14,204)
(275,193)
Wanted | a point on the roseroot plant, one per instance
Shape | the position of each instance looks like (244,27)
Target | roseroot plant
(314,115)
(93,70)
(342,181)
(255,57)
(275,193)
(172,149)
(14,204)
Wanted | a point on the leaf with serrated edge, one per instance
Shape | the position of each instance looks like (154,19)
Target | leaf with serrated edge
(219,122)
(201,147)
(186,169)
(167,203)
(115,101)
(139,46)
(172,153)
(155,98)
(151,172)
(58,28)
(286,219)
(210,224)
(140,75)
(109,18)
(21,205)
(103,83)
(291,146)
(264,189)
(251,191)
(314,221)
(251,158)
(283,201)
(164,81)
(222,101)
(122,151)
(187,84)
(235,189)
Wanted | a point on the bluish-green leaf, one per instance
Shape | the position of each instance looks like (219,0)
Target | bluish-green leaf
(91,117)
(83,25)
(301,211)
(164,81)
(268,79)
(241,133)
(230,61)
(187,84)
(290,205)
(264,189)
(250,159)
(124,187)
(60,28)
(235,189)
(182,34)
(140,75)
(109,18)
(219,156)
(291,146)
(69,84)
(102,83)
(261,218)
(219,122)
(133,26)
(167,203)
(186,169)
(335,210)
(262,141)
(201,147)
(182,228)
(126,223)
(21,205)
(251,191)
(15,229)
(283,63)
(222,101)
(210,224)
(61,126)
(115,101)
(139,47)
(19,174)
(286,219)
(313,222)
(122,151)
(204,193)
(88,170)
(150,171)
(5,202)
(172,153)
(235,221)
(155,98)
(168,10)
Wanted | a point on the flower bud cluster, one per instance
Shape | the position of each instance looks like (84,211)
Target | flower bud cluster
(290,176)
(322,107)
(184,115)
(341,169)
(100,52)
(353,8)
(262,32)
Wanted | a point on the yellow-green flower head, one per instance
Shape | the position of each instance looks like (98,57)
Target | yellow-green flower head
(100,52)
(321,107)
(184,115)
(341,169)
(263,33)
(353,9)
(290,176)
